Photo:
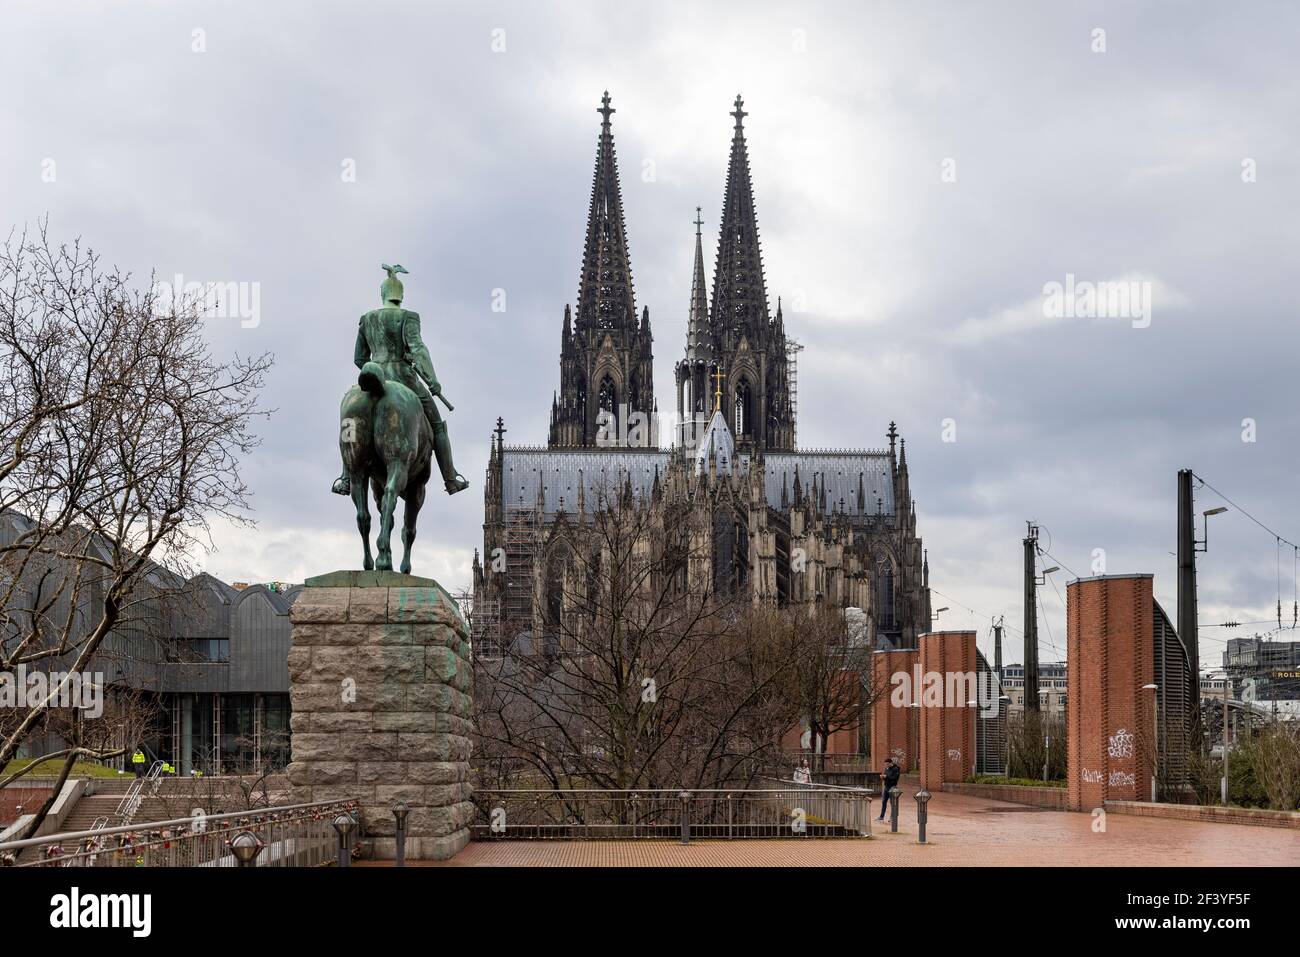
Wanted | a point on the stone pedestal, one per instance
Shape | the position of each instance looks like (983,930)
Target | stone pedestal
(380,686)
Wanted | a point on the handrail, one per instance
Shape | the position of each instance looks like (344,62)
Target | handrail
(175,822)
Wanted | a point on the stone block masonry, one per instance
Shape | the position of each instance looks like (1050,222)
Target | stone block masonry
(380,685)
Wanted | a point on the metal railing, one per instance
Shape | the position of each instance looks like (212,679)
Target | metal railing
(294,835)
(822,763)
(134,796)
(671,813)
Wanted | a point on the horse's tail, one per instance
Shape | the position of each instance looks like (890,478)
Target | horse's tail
(372,379)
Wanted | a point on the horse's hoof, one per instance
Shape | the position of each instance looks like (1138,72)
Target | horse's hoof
(406,568)
(342,486)
(369,565)
(458,484)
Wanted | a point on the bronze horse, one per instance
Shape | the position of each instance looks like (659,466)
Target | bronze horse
(391,453)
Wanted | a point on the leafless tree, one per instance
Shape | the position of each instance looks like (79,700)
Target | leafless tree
(642,677)
(120,442)
(831,676)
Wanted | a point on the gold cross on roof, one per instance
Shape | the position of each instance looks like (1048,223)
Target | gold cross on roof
(717,392)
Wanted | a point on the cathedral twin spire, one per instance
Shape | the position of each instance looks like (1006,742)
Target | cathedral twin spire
(606,356)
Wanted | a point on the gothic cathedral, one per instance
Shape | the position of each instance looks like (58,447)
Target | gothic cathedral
(778,524)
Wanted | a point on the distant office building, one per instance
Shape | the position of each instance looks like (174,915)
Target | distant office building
(207,660)
(1263,670)
(1052,688)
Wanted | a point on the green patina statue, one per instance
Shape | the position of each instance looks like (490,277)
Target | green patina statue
(390,425)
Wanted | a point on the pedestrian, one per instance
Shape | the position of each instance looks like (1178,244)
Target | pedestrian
(888,780)
(801,774)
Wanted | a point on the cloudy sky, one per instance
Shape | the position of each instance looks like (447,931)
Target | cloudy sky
(922,173)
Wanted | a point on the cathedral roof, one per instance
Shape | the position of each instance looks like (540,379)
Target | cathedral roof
(837,473)
(555,473)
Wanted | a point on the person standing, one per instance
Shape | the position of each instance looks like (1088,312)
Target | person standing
(888,780)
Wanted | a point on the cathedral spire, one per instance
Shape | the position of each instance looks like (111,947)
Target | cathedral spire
(739,291)
(697,325)
(605,295)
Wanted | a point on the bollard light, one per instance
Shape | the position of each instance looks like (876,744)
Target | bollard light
(922,799)
(685,798)
(894,793)
(399,844)
(245,846)
(343,825)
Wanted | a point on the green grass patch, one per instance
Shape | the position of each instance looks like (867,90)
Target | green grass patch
(50,769)
(1017,782)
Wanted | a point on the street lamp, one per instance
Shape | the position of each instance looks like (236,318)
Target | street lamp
(1204,543)
(1002,731)
(937,613)
(916,739)
(1155,737)
(1042,579)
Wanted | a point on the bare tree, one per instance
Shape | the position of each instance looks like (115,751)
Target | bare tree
(642,676)
(120,440)
(831,676)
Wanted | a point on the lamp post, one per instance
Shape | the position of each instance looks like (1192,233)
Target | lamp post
(1005,760)
(399,815)
(245,846)
(343,825)
(916,739)
(1155,737)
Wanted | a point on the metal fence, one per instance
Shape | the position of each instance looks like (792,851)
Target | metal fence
(295,835)
(794,811)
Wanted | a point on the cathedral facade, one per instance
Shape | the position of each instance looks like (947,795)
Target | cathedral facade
(771,523)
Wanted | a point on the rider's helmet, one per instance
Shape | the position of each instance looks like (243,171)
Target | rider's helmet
(390,291)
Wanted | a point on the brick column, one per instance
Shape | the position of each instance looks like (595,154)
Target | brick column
(380,686)
(1109,648)
(948,681)
(893,733)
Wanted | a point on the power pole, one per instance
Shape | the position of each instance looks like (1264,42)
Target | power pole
(997,650)
(1187,581)
(1031,621)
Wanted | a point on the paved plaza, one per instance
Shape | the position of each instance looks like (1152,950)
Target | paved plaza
(962,831)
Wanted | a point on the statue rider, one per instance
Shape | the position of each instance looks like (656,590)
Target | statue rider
(390,336)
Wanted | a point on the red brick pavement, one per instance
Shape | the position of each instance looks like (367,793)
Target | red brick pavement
(962,831)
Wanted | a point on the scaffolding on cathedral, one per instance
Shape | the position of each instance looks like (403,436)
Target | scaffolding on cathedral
(792,349)
(522,533)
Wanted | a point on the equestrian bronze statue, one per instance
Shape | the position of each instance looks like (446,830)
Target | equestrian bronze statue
(390,428)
